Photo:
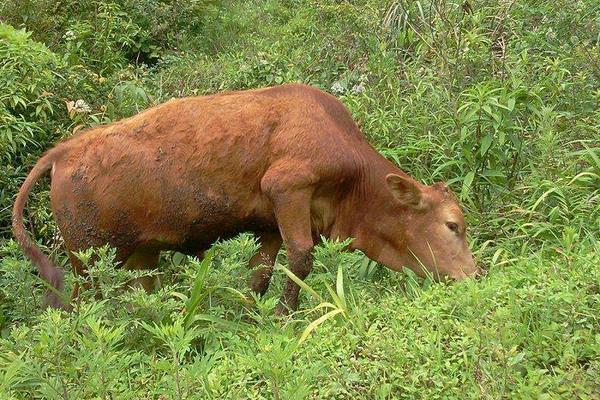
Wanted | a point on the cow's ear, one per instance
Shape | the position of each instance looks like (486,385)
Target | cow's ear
(406,191)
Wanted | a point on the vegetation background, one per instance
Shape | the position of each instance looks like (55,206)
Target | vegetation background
(498,98)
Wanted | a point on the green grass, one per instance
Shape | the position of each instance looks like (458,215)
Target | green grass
(499,99)
(527,330)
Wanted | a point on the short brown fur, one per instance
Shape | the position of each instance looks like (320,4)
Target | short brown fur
(286,162)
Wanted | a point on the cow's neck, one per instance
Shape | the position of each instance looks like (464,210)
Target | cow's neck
(365,205)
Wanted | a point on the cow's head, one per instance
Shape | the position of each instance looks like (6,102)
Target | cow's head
(422,227)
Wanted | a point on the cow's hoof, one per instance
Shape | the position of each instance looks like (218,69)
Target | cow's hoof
(282,310)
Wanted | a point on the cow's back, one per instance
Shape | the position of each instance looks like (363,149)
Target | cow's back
(188,171)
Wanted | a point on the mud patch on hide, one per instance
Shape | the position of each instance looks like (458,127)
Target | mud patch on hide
(77,228)
(211,208)
(124,233)
(83,228)
(78,179)
(140,130)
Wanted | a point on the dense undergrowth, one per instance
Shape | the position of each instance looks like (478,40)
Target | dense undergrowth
(498,98)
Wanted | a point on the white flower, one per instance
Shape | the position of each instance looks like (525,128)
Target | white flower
(337,87)
(79,106)
(358,88)
(82,106)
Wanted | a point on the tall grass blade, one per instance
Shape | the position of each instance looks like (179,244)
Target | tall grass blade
(197,293)
(340,286)
(313,325)
(594,156)
(300,283)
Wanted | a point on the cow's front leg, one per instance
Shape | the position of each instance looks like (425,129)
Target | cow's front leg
(264,259)
(292,211)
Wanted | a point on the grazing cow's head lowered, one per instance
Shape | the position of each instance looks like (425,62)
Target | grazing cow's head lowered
(424,229)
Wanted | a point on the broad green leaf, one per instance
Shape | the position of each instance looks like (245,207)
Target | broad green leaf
(466,186)
(510,104)
(486,142)
(197,294)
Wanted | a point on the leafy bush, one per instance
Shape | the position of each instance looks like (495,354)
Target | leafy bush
(529,329)
(27,105)
(107,34)
(26,76)
(499,99)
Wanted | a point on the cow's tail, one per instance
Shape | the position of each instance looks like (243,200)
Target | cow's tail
(48,271)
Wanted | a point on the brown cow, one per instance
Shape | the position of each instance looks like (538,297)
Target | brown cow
(287,163)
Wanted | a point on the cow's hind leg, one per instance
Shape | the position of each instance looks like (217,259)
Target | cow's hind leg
(270,243)
(143,259)
(81,273)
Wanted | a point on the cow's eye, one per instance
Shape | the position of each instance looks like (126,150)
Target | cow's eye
(453,226)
